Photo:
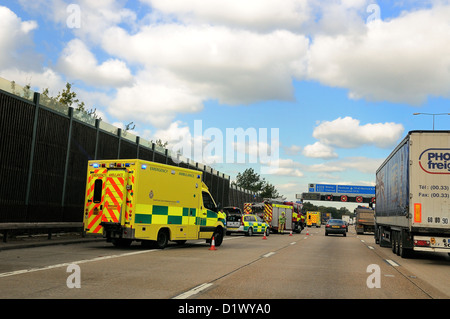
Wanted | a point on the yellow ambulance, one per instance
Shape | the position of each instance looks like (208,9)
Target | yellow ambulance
(136,200)
(313,219)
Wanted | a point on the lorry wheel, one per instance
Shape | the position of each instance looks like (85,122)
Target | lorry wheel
(162,239)
(377,235)
(402,251)
(394,240)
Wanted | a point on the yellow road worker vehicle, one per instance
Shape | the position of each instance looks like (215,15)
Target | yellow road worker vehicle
(136,200)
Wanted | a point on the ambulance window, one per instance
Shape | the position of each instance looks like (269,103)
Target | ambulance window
(98,190)
(208,202)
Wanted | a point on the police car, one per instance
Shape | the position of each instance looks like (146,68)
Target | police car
(247,224)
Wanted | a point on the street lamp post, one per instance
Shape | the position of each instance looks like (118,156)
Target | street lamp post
(434,114)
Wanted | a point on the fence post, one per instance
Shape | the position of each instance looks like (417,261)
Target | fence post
(36,100)
(97,128)
(119,135)
(153,152)
(66,164)
(138,139)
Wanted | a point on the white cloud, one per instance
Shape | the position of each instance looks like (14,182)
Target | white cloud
(261,15)
(15,40)
(287,186)
(39,80)
(187,52)
(269,170)
(361,163)
(95,17)
(348,133)
(77,62)
(325,168)
(283,167)
(292,150)
(319,150)
(173,134)
(404,60)
(154,98)
(233,66)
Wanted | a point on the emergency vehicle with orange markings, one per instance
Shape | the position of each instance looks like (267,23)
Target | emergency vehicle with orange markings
(313,219)
(136,200)
(298,220)
(270,211)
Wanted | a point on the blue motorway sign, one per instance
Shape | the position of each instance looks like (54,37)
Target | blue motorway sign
(341,189)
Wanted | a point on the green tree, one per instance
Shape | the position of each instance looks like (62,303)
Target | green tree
(252,181)
(269,191)
(67,97)
(159,142)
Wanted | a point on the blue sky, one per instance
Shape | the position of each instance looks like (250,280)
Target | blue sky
(339,79)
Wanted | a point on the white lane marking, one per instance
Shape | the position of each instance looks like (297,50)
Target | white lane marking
(370,247)
(193,291)
(293,243)
(392,263)
(24,271)
(269,254)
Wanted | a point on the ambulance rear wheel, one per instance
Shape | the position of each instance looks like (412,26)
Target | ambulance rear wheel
(162,239)
(218,237)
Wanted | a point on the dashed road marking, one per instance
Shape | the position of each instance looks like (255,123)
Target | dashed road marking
(193,291)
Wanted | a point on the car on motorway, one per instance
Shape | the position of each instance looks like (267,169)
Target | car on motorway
(247,224)
(336,226)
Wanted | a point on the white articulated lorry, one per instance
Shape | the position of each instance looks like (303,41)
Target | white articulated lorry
(412,210)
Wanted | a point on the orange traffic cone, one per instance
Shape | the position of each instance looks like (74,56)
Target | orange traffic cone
(264,237)
(307,231)
(290,234)
(213,244)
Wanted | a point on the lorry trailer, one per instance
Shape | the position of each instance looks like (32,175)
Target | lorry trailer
(412,211)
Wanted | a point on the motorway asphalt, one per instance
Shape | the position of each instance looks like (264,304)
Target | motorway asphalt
(36,240)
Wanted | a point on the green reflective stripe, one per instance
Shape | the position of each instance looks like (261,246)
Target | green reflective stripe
(175,220)
(143,219)
(200,221)
(211,214)
(160,210)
